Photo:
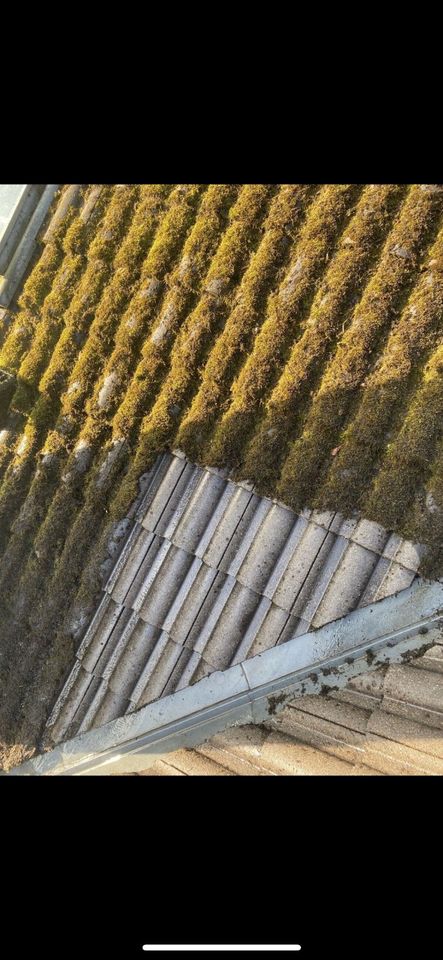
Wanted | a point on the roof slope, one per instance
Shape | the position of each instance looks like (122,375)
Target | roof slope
(288,332)
(211,575)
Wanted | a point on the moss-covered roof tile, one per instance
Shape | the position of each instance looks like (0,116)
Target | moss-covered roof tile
(288,332)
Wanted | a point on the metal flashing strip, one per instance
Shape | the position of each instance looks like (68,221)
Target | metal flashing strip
(389,631)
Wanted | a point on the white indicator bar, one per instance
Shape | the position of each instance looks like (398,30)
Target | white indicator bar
(222,946)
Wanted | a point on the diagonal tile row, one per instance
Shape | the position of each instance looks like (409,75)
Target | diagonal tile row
(210,575)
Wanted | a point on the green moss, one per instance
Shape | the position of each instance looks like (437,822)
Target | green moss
(408,462)
(286,310)
(309,457)
(126,276)
(64,508)
(45,335)
(174,227)
(6,322)
(330,314)
(178,293)
(143,313)
(424,521)
(37,288)
(14,486)
(77,320)
(51,318)
(62,548)
(197,335)
(45,479)
(61,511)
(99,270)
(383,405)
(263,273)
(38,284)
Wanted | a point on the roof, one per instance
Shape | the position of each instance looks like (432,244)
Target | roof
(287,333)
(397,630)
(212,574)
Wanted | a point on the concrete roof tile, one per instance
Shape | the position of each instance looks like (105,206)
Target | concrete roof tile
(347,584)
(416,736)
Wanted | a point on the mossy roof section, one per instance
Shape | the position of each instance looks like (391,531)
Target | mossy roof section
(291,333)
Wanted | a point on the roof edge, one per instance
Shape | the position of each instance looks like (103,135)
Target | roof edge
(404,626)
(25,235)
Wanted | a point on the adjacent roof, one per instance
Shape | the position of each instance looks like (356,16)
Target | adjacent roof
(388,722)
(288,333)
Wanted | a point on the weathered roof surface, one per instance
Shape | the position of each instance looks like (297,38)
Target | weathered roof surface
(212,574)
(289,333)
(386,722)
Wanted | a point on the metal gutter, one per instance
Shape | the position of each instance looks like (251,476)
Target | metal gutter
(392,630)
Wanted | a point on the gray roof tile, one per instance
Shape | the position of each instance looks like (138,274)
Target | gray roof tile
(210,575)
(347,584)
(414,694)
(370,535)
(189,599)
(396,578)
(160,596)
(299,566)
